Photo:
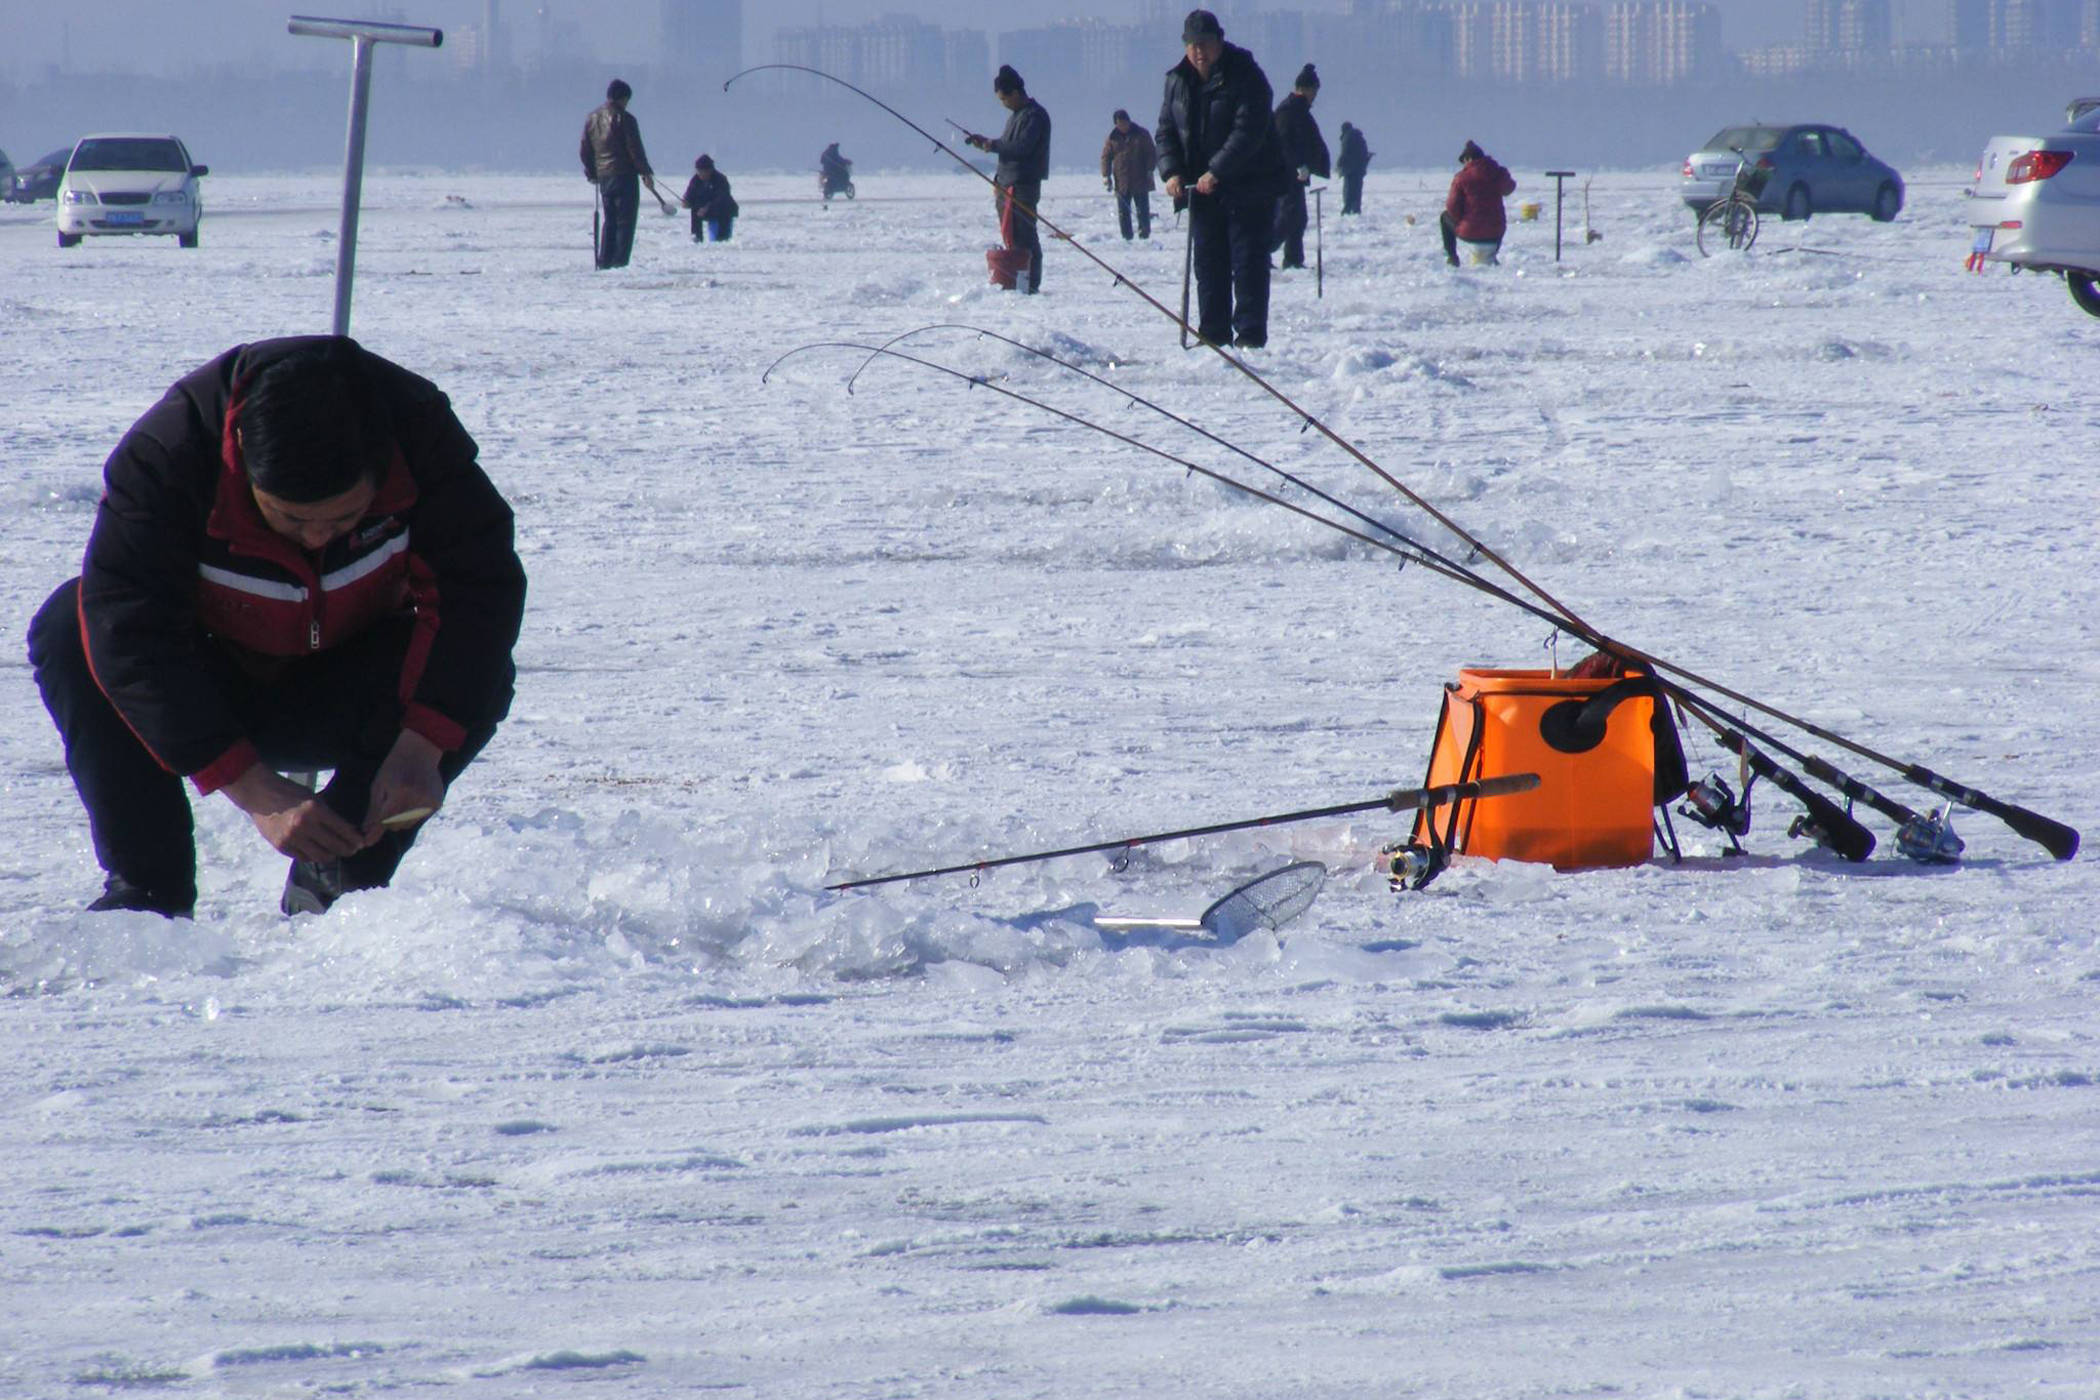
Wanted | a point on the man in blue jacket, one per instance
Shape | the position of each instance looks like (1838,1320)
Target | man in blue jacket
(297,563)
(1024,163)
(1218,150)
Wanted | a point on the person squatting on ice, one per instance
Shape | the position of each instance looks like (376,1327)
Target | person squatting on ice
(1350,164)
(614,161)
(707,195)
(1304,155)
(1024,163)
(1217,149)
(1127,157)
(297,564)
(1473,210)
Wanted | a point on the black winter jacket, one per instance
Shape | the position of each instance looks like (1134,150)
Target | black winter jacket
(612,145)
(1356,153)
(181,563)
(709,197)
(1221,126)
(1304,148)
(1024,147)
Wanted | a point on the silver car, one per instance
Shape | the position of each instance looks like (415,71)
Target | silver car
(1794,171)
(2035,203)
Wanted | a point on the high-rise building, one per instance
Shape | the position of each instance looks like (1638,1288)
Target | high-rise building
(705,34)
(1570,40)
(1660,42)
(1850,31)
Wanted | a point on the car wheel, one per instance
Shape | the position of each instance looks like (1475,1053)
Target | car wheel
(1887,203)
(187,240)
(1797,208)
(69,240)
(2084,292)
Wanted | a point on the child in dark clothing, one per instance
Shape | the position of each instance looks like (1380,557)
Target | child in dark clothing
(707,195)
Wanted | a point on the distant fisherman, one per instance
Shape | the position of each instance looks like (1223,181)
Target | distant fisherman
(1305,155)
(1354,160)
(297,564)
(1127,158)
(614,161)
(1473,211)
(714,208)
(1024,163)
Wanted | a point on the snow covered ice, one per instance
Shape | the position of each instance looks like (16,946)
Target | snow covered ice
(609,1093)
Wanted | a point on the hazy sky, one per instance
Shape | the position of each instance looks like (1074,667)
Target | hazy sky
(160,36)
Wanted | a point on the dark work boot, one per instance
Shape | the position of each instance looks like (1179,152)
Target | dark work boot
(311,887)
(119,893)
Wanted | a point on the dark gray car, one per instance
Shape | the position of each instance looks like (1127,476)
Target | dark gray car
(1798,170)
(39,181)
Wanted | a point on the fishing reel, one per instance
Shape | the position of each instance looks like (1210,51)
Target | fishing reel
(1806,828)
(1930,840)
(1714,805)
(1411,865)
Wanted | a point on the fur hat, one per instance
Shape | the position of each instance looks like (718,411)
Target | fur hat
(618,91)
(1307,80)
(1008,80)
(1201,24)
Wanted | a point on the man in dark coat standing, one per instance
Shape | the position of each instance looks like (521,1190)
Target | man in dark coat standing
(614,161)
(1354,160)
(1024,163)
(1473,208)
(1217,148)
(297,564)
(1127,158)
(1304,155)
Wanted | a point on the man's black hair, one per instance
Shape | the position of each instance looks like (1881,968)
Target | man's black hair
(1007,80)
(618,91)
(312,426)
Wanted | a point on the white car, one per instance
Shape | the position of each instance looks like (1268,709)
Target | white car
(2035,203)
(129,183)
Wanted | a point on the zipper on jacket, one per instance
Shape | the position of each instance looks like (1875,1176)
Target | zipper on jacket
(313,635)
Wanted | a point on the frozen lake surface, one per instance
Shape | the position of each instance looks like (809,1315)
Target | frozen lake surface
(609,1093)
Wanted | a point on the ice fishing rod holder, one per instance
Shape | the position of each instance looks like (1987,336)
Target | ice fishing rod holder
(362,34)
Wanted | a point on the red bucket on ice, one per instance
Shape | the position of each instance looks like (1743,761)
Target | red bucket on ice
(1008,266)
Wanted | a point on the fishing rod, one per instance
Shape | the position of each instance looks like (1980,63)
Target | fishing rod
(1925,838)
(1311,420)
(1398,800)
(2059,840)
(1928,839)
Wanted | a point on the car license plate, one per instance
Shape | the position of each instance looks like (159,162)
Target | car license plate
(125,218)
(1983,239)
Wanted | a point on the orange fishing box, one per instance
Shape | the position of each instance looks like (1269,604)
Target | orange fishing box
(1605,750)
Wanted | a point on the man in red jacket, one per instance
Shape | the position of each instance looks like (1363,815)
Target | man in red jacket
(1473,209)
(296,564)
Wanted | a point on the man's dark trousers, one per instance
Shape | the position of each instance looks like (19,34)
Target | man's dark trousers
(1143,200)
(1231,257)
(1290,225)
(335,709)
(1352,194)
(620,200)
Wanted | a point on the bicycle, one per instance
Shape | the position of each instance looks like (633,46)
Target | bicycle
(1730,222)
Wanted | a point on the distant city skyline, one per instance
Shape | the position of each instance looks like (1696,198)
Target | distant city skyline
(150,36)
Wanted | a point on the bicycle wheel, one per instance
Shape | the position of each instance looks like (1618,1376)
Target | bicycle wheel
(1728,224)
